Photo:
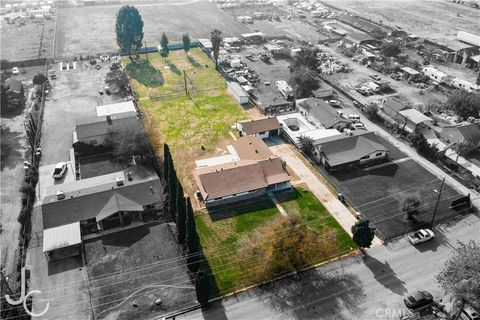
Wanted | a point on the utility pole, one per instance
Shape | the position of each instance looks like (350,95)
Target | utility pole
(438,200)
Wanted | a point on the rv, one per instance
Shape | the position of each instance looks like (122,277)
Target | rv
(435,74)
(284,89)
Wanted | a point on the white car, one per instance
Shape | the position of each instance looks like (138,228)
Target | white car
(15,70)
(358,126)
(420,236)
(60,170)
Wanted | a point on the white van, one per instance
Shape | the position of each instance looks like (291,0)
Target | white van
(354,117)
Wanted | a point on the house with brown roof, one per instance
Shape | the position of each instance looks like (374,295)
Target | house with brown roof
(256,171)
(353,148)
(264,128)
(72,212)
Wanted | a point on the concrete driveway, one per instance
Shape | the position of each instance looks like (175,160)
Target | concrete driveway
(46,180)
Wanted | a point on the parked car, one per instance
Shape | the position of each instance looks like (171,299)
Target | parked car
(354,117)
(396,76)
(15,70)
(362,91)
(375,77)
(334,103)
(469,313)
(60,170)
(422,85)
(418,299)
(420,236)
(358,126)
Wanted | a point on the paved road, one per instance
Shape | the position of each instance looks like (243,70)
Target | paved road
(359,287)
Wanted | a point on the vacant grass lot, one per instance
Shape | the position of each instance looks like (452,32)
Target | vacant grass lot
(198,126)
(195,126)
(222,233)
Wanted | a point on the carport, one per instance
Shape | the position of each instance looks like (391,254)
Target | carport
(63,242)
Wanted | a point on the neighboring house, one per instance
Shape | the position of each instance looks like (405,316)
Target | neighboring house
(15,91)
(115,108)
(409,73)
(411,120)
(255,172)
(326,115)
(392,107)
(345,150)
(462,134)
(72,211)
(238,93)
(263,128)
(94,130)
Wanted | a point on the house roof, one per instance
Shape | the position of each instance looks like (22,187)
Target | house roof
(343,149)
(471,132)
(257,168)
(100,201)
(115,108)
(15,85)
(324,113)
(394,105)
(260,125)
(97,126)
(415,116)
(469,38)
(251,148)
(229,178)
(61,236)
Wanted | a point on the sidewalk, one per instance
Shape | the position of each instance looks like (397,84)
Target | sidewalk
(336,208)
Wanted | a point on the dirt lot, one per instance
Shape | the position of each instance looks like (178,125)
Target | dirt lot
(122,264)
(73,95)
(438,19)
(11,176)
(388,186)
(31,41)
(89,30)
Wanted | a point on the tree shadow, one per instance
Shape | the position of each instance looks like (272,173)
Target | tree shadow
(10,112)
(146,74)
(59,266)
(231,210)
(10,148)
(385,275)
(174,68)
(194,62)
(315,294)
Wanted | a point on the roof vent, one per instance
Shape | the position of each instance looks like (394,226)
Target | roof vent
(60,195)
(119,181)
(109,120)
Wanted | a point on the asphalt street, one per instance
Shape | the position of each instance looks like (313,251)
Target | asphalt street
(360,287)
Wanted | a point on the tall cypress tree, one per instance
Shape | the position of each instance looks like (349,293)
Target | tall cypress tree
(172,191)
(202,287)
(192,240)
(166,162)
(181,215)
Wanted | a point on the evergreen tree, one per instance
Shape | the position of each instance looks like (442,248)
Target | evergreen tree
(181,215)
(164,45)
(216,39)
(192,240)
(202,288)
(129,29)
(172,191)
(363,234)
(186,43)
(166,162)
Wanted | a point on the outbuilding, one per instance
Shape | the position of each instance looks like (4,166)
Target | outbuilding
(263,128)
(237,92)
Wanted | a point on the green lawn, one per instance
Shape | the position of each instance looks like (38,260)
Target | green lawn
(199,126)
(194,127)
(304,203)
(222,232)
